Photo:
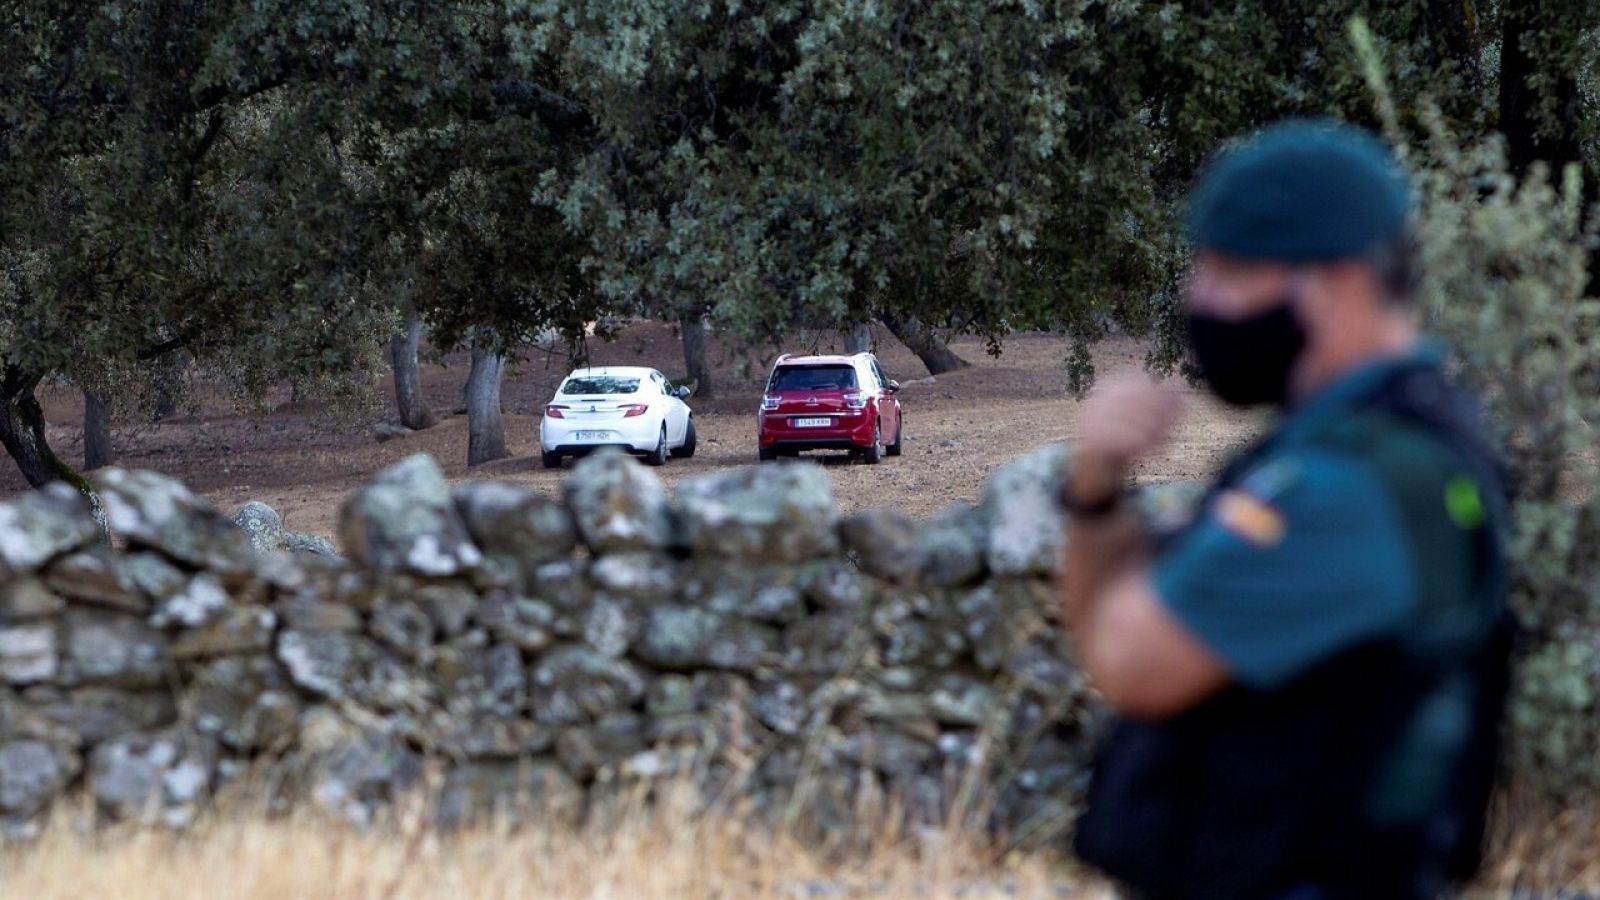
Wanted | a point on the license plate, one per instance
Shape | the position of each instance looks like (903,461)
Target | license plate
(812,423)
(592,435)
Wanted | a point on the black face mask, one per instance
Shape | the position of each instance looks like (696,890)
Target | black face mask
(1247,361)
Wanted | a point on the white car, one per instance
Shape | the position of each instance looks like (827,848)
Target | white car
(617,406)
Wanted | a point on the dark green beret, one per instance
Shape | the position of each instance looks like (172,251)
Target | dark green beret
(1303,191)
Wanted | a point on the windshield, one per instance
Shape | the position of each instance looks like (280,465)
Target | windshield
(813,378)
(600,384)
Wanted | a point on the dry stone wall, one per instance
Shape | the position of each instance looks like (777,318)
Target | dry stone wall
(503,653)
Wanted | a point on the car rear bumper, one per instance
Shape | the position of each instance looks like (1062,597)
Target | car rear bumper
(586,449)
(825,444)
(846,433)
(637,435)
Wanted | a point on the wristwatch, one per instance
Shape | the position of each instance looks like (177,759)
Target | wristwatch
(1104,497)
(1092,509)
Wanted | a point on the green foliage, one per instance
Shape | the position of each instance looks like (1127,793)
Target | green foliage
(810,165)
(1504,267)
(171,187)
(261,184)
(450,178)
(1506,271)
(984,168)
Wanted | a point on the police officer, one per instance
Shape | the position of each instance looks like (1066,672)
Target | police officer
(1308,679)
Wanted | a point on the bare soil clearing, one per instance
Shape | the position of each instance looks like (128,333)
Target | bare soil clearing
(959,428)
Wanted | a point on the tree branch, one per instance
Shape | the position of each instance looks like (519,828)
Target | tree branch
(557,112)
(213,128)
(184,338)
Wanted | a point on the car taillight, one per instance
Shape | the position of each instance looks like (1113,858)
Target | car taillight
(554,411)
(769,402)
(855,401)
(633,409)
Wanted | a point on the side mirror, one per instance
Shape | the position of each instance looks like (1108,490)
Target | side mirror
(681,391)
(893,386)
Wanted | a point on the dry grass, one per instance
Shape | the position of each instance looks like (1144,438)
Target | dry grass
(659,854)
(1541,850)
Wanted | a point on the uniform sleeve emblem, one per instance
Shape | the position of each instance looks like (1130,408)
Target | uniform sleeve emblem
(1251,519)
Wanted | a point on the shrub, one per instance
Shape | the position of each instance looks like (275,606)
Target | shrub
(1503,263)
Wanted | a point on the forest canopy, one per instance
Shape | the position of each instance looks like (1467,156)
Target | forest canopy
(270,190)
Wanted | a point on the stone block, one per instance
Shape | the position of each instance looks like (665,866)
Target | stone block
(774,513)
(404,520)
(29,653)
(33,773)
(618,505)
(113,649)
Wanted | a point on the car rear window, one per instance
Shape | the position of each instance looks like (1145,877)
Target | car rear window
(601,384)
(813,378)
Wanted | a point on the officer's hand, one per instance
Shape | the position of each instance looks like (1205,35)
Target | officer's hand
(1125,418)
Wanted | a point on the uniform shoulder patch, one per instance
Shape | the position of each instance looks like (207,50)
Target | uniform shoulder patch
(1248,517)
(1248,510)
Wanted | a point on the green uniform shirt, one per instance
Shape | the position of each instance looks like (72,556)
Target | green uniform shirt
(1344,526)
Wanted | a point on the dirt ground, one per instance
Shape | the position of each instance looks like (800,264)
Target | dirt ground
(959,428)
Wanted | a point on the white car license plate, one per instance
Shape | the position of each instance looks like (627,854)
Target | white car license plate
(812,423)
(592,435)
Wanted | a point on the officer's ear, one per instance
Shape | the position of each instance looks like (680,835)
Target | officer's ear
(1394,268)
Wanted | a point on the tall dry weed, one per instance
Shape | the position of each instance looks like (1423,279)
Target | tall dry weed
(667,849)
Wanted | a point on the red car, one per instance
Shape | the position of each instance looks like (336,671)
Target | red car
(829,403)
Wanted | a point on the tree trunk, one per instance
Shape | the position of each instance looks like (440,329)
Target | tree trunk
(926,344)
(169,386)
(22,431)
(486,430)
(1527,138)
(96,431)
(858,339)
(1556,143)
(694,354)
(414,412)
(1451,25)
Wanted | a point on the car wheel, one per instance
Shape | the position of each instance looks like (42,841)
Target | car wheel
(766,454)
(874,451)
(550,460)
(686,449)
(899,436)
(658,456)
